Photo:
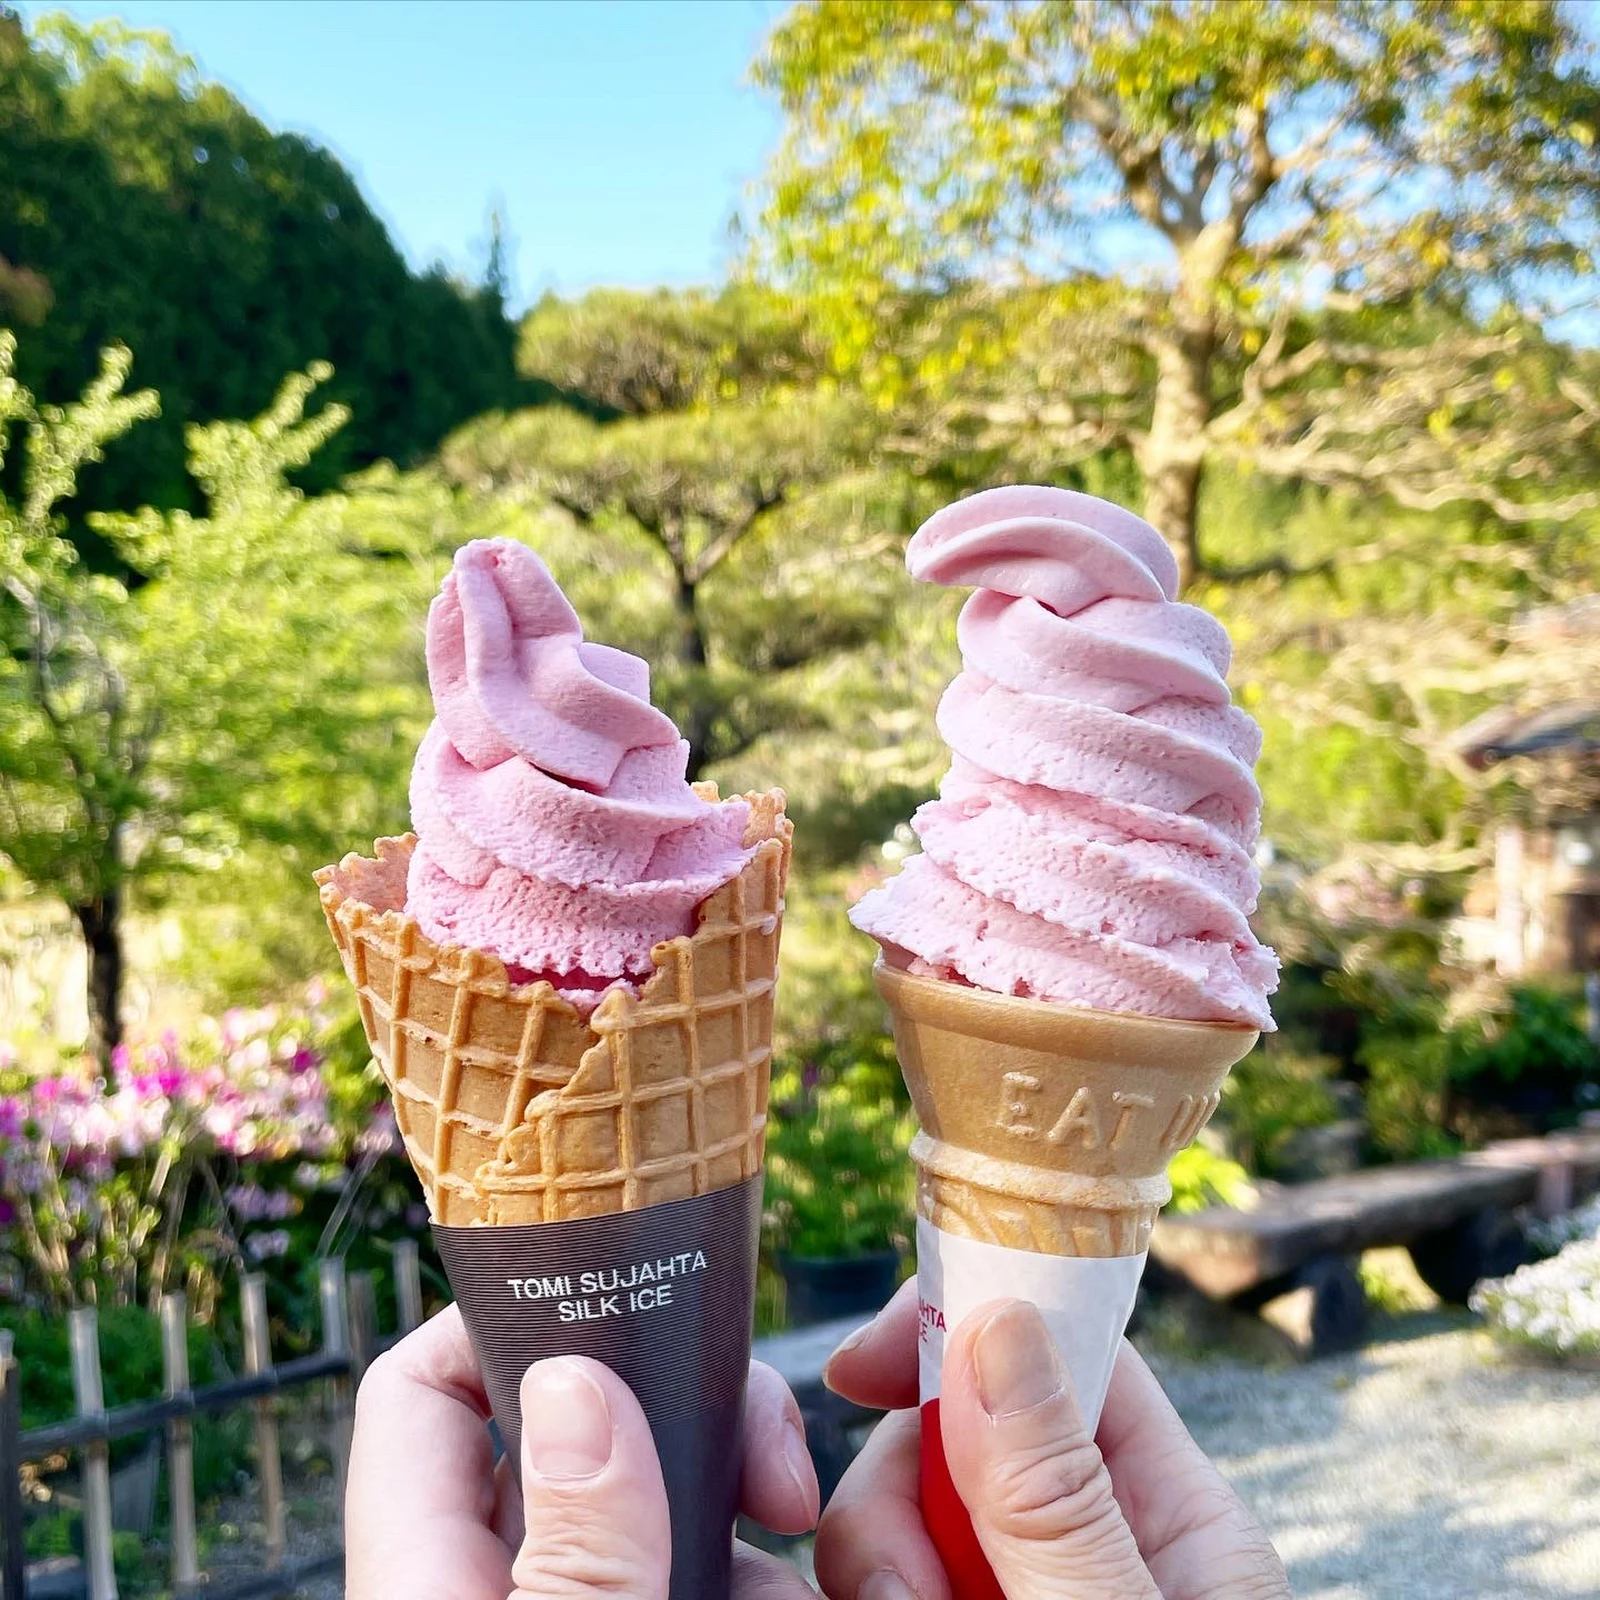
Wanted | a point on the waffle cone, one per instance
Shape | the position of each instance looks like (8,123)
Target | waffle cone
(515,1108)
(1048,1127)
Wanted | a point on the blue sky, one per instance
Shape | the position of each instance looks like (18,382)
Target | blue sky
(619,135)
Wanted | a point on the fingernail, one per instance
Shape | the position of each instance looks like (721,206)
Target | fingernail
(886,1586)
(1016,1361)
(570,1436)
(796,1458)
(853,1341)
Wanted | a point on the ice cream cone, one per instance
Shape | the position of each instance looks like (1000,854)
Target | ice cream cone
(589,1140)
(1091,848)
(1041,1166)
(516,1109)
(1046,1127)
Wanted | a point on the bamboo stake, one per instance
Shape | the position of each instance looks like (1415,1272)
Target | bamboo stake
(333,1296)
(83,1337)
(15,1569)
(269,1461)
(407,1285)
(363,1324)
(180,1442)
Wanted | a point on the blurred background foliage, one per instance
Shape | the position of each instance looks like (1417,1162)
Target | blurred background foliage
(1338,354)
(143,205)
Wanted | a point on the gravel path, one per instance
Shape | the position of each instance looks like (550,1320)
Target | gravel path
(1426,1467)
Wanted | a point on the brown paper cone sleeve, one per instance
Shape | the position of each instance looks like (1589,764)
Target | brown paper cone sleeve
(513,1107)
(1048,1127)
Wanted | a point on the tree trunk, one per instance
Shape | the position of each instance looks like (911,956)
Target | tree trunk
(694,657)
(100,921)
(1172,454)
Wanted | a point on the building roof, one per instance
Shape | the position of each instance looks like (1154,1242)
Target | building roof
(1572,727)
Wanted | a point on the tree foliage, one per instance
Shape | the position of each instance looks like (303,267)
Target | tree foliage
(240,696)
(1300,238)
(142,205)
(732,470)
(1286,271)
(635,355)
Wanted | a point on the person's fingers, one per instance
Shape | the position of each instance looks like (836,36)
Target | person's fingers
(1194,1532)
(779,1483)
(594,1504)
(876,1366)
(872,1535)
(1026,1467)
(428,1511)
(759,1576)
(421,1508)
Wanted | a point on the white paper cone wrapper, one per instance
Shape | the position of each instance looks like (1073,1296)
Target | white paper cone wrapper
(1085,1300)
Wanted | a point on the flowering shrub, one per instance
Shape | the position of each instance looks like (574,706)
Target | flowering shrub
(199,1154)
(1549,1236)
(1553,1305)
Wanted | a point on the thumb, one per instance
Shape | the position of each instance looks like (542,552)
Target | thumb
(1038,1493)
(594,1505)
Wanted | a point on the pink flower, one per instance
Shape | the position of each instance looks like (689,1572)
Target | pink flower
(220,1120)
(27,1175)
(381,1136)
(97,1166)
(264,1246)
(307,1088)
(249,1202)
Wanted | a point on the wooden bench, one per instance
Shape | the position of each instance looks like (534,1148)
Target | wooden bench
(1454,1216)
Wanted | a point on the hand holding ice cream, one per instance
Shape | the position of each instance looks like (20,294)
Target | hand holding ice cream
(1144,1514)
(567,979)
(429,1513)
(1068,963)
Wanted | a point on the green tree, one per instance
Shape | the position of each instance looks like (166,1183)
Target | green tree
(1303,238)
(239,694)
(730,477)
(143,205)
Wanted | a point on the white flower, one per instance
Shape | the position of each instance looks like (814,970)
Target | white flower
(1584,1223)
(1554,1304)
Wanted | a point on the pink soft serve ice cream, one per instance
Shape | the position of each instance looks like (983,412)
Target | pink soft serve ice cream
(1093,840)
(556,828)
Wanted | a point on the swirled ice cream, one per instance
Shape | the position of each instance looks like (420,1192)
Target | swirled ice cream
(1093,841)
(556,829)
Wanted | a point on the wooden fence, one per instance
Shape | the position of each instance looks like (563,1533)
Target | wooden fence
(350,1340)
